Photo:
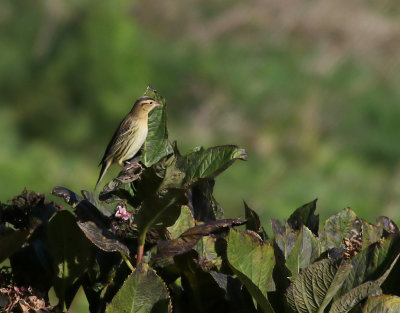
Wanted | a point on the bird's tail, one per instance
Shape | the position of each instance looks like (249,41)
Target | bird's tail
(105,165)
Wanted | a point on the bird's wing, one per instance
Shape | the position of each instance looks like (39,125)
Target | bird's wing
(123,132)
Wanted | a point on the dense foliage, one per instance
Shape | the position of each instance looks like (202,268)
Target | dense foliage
(160,243)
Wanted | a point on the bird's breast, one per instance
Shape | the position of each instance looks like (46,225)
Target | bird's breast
(137,141)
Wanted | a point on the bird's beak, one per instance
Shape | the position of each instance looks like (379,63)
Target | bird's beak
(156,104)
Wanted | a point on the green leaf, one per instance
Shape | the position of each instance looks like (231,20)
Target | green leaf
(142,292)
(206,248)
(12,241)
(183,223)
(355,295)
(72,252)
(305,216)
(338,227)
(201,164)
(382,304)
(156,145)
(306,249)
(313,289)
(252,261)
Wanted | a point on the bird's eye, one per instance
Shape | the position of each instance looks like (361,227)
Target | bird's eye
(151,102)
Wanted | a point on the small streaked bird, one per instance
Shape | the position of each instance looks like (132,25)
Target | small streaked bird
(129,136)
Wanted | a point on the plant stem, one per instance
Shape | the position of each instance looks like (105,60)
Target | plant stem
(142,236)
(127,262)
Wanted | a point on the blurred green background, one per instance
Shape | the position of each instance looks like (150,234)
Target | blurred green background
(309,88)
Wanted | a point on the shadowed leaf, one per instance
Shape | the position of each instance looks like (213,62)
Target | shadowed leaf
(92,222)
(188,240)
(202,202)
(305,216)
(253,222)
(12,241)
(387,224)
(71,251)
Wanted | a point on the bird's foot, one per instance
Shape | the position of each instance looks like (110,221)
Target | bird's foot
(130,166)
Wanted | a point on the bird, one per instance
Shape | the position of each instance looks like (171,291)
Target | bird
(129,136)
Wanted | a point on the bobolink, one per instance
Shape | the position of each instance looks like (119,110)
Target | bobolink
(129,136)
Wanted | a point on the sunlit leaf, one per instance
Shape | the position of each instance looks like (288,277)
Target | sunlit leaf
(143,291)
(337,227)
(382,304)
(156,145)
(252,261)
(183,223)
(313,289)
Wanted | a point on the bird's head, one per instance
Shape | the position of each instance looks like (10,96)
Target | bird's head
(144,105)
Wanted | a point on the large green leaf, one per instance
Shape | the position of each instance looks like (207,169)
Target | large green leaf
(71,251)
(313,289)
(337,227)
(382,304)
(355,295)
(306,249)
(252,261)
(142,292)
(156,145)
(201,164)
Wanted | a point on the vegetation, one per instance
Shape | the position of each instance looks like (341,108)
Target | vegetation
(160,243)
(310,90)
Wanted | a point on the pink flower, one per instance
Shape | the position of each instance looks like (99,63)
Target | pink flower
(122,212)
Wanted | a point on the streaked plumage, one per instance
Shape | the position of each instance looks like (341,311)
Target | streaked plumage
(129,136)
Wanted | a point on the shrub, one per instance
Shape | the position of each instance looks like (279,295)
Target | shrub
(159,243)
